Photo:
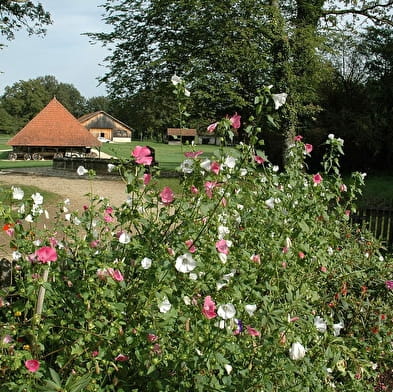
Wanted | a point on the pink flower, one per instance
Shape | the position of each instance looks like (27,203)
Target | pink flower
(94,353)
(215,167)
(121,358)
(193,154)
(293,319)
(212,127)
(256,259)
(308,148)
(258,159)
(209,308)
(190,246)
(301,255)
(298,138)
(94,243)
(235,121)
(108,218)
(347,212)
(170,251)
(209,186)
(252,331)
(317,179)
(7,339)
(343,188)
(32,365)
(115,274)
(194,189)
(323,269)
(152,338)
(146,179)
(142,155)
(167,195)
(224,202)
(46,254)
(222,246)
(389,284)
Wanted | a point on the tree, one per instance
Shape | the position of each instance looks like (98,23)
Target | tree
(22,14)
(216,45)
(228,50)
(24,99)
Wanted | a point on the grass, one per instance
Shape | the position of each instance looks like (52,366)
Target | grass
(5,193)
(169,156)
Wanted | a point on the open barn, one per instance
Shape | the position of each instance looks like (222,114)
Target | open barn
(53,132)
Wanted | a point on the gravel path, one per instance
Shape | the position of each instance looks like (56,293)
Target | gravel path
(68,186)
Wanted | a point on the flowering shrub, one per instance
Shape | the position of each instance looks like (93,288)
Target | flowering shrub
(252,278)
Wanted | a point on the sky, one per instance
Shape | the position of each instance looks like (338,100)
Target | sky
(63,53)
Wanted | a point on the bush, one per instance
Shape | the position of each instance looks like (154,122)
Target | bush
(251,278)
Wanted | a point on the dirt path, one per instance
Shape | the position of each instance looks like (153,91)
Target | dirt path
(74,189)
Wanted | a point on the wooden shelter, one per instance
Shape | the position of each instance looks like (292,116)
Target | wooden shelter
(54,131)
(102,124)
(181,135)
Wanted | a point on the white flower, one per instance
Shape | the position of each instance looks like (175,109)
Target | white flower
(67,217)
(186,166)
(37,198)
(340,141)
(176,80)
(146,263)
(270,202)
(37,242)
(297,351)
(185,263)
(230,162)
(76,221)
(331,136)
(187,300)
(320,324)
(22,209)
(29,218)
(67,202)
(279,100)
(193,276)
(124,238)
(276,168)
(17,193)
(165,305)
(337,328)
(250,309)
(81,171)
(223,257)
(205,165)
(330,250)
(187,92)
(228,368)
(222,231)
(243,172)
(226,311)
(111,167)
(16,255)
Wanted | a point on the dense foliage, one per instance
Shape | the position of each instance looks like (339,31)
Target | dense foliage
(252,278)
(22,14)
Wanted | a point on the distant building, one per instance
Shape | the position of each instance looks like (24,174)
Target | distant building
(103,125)
(54,131)
(181,135)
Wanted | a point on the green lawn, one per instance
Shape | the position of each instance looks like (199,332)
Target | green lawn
(169,156)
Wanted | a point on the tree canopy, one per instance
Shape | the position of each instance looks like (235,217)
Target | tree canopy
(24,99)
(22,14)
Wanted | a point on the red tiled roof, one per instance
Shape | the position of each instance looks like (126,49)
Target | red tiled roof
(181,132)
(55,126)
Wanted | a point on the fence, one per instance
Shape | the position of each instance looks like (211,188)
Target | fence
(377,218)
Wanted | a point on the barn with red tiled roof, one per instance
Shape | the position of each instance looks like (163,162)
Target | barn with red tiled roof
(54,130)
